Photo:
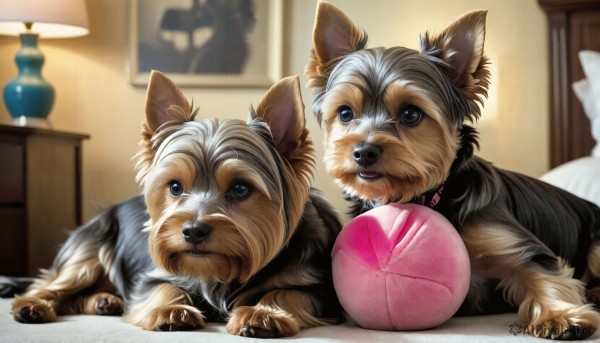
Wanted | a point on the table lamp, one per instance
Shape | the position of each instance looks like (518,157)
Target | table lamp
(29,98)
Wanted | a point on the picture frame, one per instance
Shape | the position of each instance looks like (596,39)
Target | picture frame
(206,43)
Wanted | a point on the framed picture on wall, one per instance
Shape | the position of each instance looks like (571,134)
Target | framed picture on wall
(212,43)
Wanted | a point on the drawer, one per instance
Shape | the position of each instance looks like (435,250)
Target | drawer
(13,245)
(12,167)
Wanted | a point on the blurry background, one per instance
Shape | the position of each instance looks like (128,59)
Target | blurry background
(95,97)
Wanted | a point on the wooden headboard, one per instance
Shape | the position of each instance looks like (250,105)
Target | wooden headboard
(574,25)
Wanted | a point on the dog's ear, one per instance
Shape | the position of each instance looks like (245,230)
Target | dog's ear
(460,45)
(164,102)
(334,36)
(283,111)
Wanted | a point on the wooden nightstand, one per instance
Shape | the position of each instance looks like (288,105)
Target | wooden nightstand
(40,195)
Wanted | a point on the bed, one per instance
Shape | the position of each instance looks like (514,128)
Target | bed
(574,37)
(581,176)
(574,25)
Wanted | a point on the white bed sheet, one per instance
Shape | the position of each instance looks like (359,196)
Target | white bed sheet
(580,177)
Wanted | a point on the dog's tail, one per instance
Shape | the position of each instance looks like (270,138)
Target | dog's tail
(13,285)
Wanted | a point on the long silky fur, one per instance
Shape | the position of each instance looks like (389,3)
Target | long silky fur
(303,264)
(116,242)
(267,254)
(532,245)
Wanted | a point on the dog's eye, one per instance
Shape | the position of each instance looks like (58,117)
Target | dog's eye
(411,116)
(345,114)
(240,191)
(175,188)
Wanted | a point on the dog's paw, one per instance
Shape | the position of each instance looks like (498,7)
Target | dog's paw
(176,318)
(33,311)
(261,322)
(104,304)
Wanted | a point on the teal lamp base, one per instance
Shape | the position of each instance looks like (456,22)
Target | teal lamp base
(31,122)
(29,98)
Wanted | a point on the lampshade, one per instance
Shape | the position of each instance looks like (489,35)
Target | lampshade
(50,18)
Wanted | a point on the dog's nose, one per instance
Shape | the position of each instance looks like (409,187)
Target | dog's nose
(365,153)
(195,232)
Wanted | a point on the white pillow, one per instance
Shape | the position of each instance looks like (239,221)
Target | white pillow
(580,177)
(588,92)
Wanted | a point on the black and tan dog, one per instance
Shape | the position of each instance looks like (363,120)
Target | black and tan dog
(396,130)
(228,228)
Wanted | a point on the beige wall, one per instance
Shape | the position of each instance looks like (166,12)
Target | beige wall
(95,97)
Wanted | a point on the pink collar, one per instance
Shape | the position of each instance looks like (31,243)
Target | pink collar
(435,199)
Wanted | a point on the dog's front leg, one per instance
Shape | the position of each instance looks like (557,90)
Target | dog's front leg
(58,290)
(551,302)
(165,308)
(280,313)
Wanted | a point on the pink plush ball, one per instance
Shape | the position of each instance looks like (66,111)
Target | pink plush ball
(400,267)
